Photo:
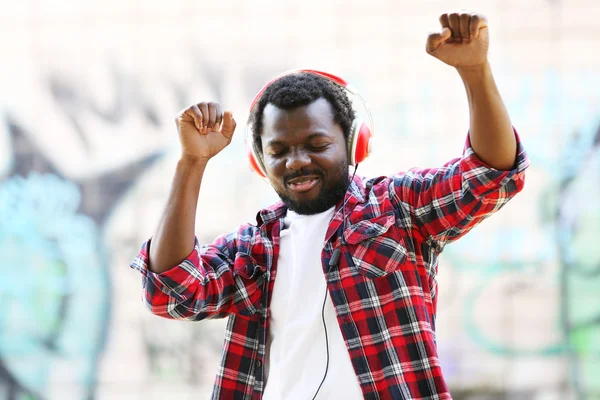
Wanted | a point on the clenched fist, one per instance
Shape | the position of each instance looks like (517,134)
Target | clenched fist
(204,130)
(463,40)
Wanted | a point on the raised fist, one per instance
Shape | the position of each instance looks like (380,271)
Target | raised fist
(204,130)
(463,40)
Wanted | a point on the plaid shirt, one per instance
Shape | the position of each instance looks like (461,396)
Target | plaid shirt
(383,288)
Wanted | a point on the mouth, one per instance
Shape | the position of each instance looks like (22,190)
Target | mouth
(303,183)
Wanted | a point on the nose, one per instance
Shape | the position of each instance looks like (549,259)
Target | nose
(297,159)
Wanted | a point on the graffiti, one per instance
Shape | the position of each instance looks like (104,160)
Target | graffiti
(556,259)
(577,222)
(75,104)
(56,282)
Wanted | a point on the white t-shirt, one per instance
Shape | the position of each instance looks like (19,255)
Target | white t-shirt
(296,349)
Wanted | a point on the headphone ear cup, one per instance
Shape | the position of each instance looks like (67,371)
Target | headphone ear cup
(360,142)
(254,162)
(351,143)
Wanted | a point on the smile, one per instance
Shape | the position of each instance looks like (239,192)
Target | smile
(303,184)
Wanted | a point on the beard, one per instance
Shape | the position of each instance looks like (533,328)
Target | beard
(330,194)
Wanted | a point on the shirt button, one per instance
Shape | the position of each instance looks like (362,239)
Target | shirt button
(259,363)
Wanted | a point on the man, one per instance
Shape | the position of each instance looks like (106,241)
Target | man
(333,293)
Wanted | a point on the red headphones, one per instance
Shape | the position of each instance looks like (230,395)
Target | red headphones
(359,142)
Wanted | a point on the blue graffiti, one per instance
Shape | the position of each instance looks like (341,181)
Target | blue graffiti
(54,287)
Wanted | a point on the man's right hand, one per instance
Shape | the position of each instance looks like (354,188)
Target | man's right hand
(204,130)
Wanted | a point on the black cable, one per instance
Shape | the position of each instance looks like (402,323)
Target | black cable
(344,206)
(326,291)
(326,343)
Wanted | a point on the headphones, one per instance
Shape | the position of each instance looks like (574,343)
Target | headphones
(359,142)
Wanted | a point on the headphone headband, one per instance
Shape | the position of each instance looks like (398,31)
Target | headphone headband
(331,77)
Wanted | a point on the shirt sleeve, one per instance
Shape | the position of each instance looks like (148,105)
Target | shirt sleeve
(445,203)
(201,286)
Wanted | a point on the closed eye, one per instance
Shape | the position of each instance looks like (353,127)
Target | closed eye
(279,152)
(319,147)
(276,153)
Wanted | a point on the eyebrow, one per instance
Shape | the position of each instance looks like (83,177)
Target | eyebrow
(308,139)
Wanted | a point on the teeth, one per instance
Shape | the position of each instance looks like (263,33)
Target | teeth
(302,181)
(303,185)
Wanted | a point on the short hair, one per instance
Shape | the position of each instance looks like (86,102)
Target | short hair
(301,89)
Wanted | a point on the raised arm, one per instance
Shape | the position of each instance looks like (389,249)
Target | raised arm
(463,43)
(445,203)
(203,131)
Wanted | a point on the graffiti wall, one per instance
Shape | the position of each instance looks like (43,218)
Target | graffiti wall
(88,147)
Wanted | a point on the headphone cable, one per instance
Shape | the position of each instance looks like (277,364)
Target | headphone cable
(326,291)
(326,343)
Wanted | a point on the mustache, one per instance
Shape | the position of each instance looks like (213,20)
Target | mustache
(302,172)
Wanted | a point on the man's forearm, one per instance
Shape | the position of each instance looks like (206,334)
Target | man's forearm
(491,132)
(175,235)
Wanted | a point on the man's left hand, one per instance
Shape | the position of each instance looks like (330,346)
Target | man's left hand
(463,41)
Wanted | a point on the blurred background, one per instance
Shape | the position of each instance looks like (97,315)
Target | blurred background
(88,147)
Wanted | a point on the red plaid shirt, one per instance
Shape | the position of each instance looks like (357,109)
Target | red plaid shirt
(383,289)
